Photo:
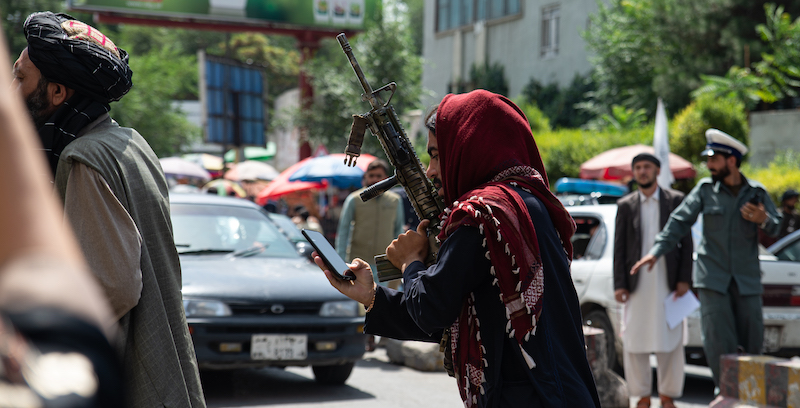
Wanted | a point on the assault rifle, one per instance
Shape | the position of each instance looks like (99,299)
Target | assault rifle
(382,121)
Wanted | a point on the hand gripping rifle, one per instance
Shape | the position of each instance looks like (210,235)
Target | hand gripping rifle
(383,123)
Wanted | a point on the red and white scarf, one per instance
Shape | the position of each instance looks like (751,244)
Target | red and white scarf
(486,150)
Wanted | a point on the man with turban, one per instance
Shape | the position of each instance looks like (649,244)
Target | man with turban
(501,284)
(115,197)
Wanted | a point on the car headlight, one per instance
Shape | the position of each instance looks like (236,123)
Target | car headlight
(341,308)
(201,307)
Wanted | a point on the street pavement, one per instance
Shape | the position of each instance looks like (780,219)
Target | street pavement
(375,382)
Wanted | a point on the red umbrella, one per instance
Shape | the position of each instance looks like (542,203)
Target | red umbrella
(615,164)
(281,185)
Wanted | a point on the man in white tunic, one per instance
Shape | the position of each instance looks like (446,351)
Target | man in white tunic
(640,217)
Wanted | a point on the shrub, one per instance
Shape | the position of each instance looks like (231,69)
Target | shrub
(538,121)
(782,174)
(563,151)
(559,105)
(687,135)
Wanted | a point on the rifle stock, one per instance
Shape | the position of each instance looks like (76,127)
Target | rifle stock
(383,122)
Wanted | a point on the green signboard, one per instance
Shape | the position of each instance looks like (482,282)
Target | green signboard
(305,13)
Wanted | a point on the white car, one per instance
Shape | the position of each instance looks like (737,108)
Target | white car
(593,276)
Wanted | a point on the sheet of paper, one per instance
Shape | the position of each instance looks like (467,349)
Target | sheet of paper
(678,309)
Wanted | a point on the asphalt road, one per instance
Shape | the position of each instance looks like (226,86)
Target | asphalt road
(374,383)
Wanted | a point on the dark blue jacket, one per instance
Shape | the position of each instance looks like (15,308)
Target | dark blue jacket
(434,296)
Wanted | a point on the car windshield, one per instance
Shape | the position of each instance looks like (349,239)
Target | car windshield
(790,252)
(287,226)
(216,229)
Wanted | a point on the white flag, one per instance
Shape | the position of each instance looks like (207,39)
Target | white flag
(661,146)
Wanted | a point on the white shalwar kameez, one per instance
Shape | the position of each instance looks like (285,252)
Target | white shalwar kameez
(645,329)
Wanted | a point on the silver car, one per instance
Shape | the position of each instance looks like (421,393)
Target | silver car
(593,276)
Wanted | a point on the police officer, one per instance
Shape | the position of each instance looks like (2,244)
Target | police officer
(727,274)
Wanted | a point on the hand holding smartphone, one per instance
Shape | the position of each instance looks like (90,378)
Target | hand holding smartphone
(332,259)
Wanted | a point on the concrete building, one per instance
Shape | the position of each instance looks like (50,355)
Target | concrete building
(530,38)
(773,132)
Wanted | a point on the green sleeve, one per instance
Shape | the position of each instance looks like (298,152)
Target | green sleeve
(343,231)
(401,217)
(680,222)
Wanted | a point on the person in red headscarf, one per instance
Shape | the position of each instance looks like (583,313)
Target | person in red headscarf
(501,283)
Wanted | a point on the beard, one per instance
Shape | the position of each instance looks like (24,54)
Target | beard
(437,184)
(647,184)
(720,175)
(38,105)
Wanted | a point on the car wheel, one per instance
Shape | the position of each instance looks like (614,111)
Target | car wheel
(334,374)
(599,319)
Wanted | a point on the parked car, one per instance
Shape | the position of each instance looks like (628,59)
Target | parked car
(574,191)
(593,276)
(251,300)
(289,228)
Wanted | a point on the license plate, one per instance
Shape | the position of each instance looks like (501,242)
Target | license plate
(772,338)
(279,347)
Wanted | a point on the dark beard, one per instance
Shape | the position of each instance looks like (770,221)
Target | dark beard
(646,185)
(38,104)
(720,175)
(437,183)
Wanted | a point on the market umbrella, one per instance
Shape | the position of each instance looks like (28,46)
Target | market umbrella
(205,160)
(225,188)
(251,170)
(281,185)
(178,167)
(331,167)
(253,153)
(615,164)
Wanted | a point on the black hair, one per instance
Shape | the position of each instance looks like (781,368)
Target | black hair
(726,155)
(430,119)
(377,164)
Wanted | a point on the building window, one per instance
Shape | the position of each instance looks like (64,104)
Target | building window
(550,18)
(458,13)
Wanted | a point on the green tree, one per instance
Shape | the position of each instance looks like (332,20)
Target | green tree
(562,107)
(386,54)
(491,77)
(537,120)
(644,49)
(776,76)
(159,75)
(416,20)
(707,111)
(14,13)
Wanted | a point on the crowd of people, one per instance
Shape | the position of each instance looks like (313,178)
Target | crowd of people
(106,286)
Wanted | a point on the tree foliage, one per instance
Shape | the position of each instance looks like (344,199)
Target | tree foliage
(687,134)
(386,54)
(561,106)
(159,75)
(564,150)
(645,49)
(491,77)
(776,76)
(536,118)
(13,14)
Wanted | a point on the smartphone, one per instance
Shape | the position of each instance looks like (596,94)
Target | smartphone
(332,259)
(753,200)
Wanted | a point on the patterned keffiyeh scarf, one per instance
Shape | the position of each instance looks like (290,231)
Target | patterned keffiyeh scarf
(506,160)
